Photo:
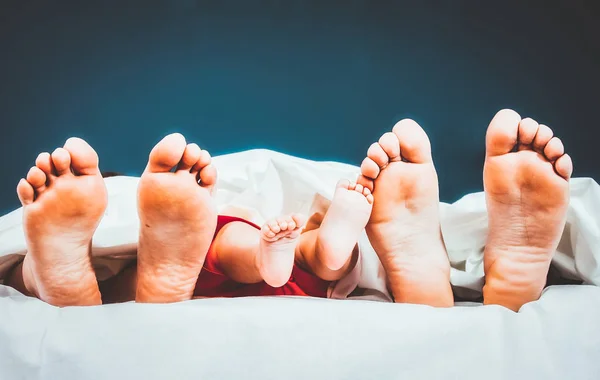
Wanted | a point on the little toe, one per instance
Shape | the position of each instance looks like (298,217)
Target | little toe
(190,157)
(554,149)
(25,192)
(369,168)
(414,143)
(502,133)
(84,159)
(167,153)
(390,145)
(543,136)
(564,166)
(62,161)
(37,178)
(208,176)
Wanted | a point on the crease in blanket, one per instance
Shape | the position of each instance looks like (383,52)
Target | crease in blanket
(271,183)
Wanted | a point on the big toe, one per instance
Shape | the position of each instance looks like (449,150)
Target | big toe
(502,133)
(167,153)
(84,159)
(414,143)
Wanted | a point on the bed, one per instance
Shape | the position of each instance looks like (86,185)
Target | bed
(364,336)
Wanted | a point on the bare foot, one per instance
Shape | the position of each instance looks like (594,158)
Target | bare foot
(63,199)
(279,238)
(404,228)
(177,220)
(527,194)
(343,223)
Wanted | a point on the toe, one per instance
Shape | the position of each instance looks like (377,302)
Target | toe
(370,198)
(282,224)
(391,146)
(36,178)
(25,192)
(554,149)
(84,159)
(366,191)
(191,155)
(564,166)
(207,173)
(204,160)
(414,143)
(359,188)
(44,162)
(300,220)
(502,133)
(527,130)
(543,136)
(366,182)
(266,231)
(342,184)
(274,226)
(290,223)
(378,155)
(167,153)
(369,168)
(208,176)
(62,161)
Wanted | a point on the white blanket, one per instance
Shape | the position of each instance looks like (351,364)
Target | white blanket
(556,337)
(271,183)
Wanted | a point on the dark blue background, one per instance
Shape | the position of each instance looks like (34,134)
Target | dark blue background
(317,79)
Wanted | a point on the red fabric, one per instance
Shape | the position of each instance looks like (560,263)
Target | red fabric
(213,282)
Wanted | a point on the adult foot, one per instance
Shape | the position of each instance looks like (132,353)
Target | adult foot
(526,180)
(279,238)
(404,227)
(63,199)
(177,220)
(343,223)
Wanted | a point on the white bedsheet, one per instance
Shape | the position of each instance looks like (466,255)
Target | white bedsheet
(291,338)
(556,337)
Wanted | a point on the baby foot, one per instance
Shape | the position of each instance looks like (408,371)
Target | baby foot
(177,220)
(63,199)
(279,238)
(404,227)
(527,194)
(343,223)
